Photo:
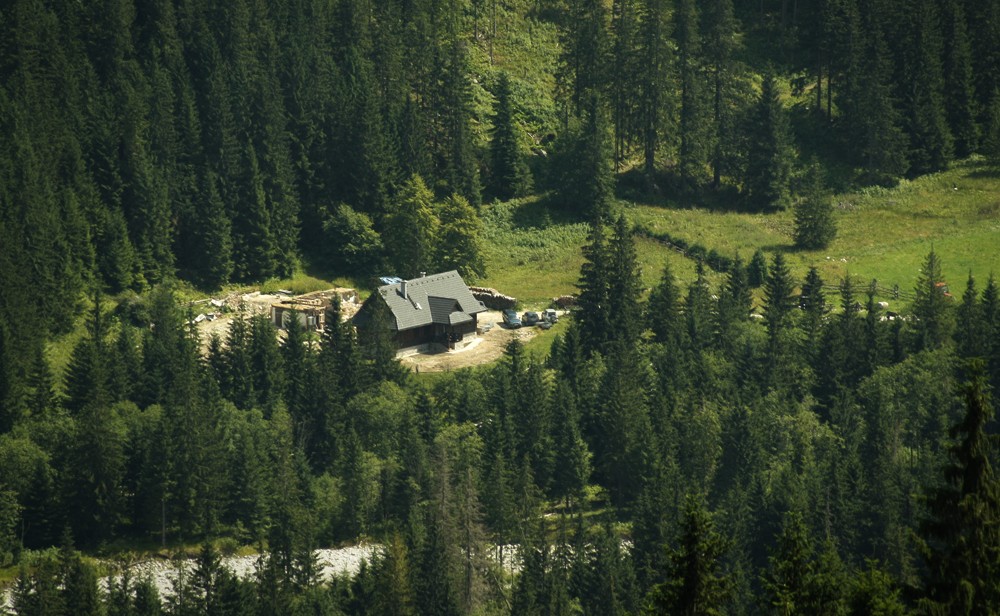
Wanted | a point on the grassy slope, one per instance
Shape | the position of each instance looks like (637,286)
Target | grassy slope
(883,234)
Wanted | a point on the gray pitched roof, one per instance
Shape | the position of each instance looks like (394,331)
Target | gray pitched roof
(439,298)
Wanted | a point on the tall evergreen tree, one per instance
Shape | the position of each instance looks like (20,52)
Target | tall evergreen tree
(694,584)
(693,114)
(768,174)
(932,305)
(663,309)
(922,89)
(721,43)
(960,96)
(778,305)
(624,285)
(814,223)
(509,175)
(654,70)
(961,533)
(594,316)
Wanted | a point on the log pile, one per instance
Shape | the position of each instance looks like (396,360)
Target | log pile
(493,299)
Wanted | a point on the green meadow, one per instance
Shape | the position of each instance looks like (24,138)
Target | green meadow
(883,234)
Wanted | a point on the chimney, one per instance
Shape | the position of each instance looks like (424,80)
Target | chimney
(423,274)
(402,288)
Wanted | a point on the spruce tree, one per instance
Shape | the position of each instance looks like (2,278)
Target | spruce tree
(572,457)
(624,285)
(970,335)
(813,304)
(959,86)
(583,71)
(991,137)
(757,269)
(663,309)
(931,142)
(767,184)
(509,175)
(654,71)
(721,43)
(962,549)
(693,114)
(212,258)
(266,364)
(594,316)
(814,224)
(932,307)
(694,584)
(872,121)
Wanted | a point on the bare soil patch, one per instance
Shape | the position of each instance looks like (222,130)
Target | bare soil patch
(488,347)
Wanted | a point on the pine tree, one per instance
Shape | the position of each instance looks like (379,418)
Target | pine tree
(79,584)
(962,542)
(239,382)
(698,310)
(873,123)
(623,86)
(768,174)
(622,455)
(734,305)
(990,311)
(596,177)
(873,592)
(813,304)
(582,73)
(814,224)
(377,345)
(608,580)
(800,581)
(509,175)
(86,379)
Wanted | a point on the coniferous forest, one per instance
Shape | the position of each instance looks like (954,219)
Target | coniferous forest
(750,441)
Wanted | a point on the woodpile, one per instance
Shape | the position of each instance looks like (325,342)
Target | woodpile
(493,299)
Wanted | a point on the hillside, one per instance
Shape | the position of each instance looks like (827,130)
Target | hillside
(701,434)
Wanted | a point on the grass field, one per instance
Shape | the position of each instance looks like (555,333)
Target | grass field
(883,234)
